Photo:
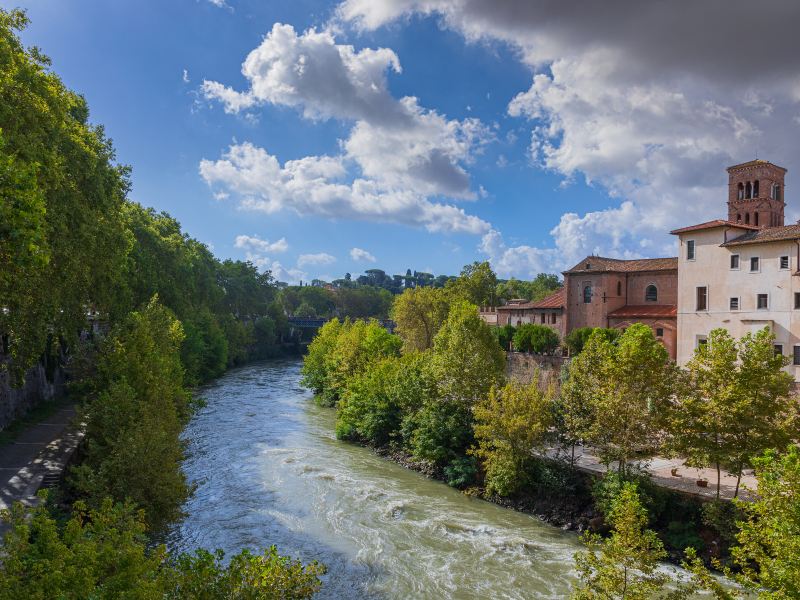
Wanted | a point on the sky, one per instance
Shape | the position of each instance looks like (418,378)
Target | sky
(317,138)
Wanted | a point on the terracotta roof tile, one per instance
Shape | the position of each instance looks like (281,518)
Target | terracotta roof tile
(769,234)
(600,264)
(754,163)
(554,300)
(712,224)
(663,311)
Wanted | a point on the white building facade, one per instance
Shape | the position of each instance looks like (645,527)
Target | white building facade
(741,276)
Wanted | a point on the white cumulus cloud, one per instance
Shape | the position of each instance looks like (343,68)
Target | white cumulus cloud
(255,243)
(360,255)
(397,157)
(321,258)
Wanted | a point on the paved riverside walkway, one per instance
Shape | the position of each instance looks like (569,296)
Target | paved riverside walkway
(37,457)
(660,471)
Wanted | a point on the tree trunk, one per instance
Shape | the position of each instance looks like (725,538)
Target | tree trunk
(719,479)
(738,481)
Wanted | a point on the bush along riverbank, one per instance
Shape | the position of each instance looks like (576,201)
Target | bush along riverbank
(446,411)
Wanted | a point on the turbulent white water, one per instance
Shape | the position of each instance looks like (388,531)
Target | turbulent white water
(269,471)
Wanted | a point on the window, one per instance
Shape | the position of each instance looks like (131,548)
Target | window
(740,192)
(553,318)
(735,262)
(702,298)
(797,300)
(762,301)
(542,318)
(659,332)
(796,355)
(734,304)
(587,294)
(690,250)
(754,264)
(778,349)
(701,341)
(619,289)
(755,218)
(755,195)
(784,262)
(748,191)
(747,218)
(651,293)
(776,192)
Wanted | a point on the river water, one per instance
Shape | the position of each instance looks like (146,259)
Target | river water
(269,471)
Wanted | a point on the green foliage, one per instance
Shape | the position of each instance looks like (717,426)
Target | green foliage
(769,540)
(308,301)
(363,303)
(683,534)
(440,432)
(466,359)
(736,405)
(419,313)
(376,400)
(577,338)
(618,391)
(626,564)
(538,339)
(542,286)
(461,472)
(62,238)
(205,348)
(135,416)
(103,553)
(477,285)
(315,364)
(505,335)
(510,423)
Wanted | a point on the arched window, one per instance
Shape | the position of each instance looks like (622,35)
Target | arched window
(747,218)
(748,191)
(755,189)
(619,289)
(740,192)
(776,192)
(651,293)
(739,218)
(755,218)
(587,294)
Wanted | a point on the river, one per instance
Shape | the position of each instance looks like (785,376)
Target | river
(269,470)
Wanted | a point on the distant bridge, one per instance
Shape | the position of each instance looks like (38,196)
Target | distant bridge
(313,323)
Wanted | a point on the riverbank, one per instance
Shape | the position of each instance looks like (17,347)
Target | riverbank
(568,503)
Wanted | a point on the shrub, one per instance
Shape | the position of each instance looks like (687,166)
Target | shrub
(505,335)
(440,432)
(539,339)
(461,472)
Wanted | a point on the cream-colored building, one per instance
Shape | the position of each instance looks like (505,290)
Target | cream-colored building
(742,274)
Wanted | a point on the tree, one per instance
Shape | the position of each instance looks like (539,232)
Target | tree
(477,284)
(769,540)
(376,401)
(575,405)
(419,313)
(466,360)
(363,302)
(539,339)
(542,286)
(736,406)
(510,423)
(103,553)
(505,335)
(633,380)
(315,364)
(576,339)
(626,564)
(134,418)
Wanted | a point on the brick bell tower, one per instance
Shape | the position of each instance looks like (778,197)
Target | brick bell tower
(755,194)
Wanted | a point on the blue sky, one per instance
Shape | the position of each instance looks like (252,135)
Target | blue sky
(535,138)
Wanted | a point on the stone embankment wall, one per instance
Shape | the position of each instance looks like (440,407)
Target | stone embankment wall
(39,387)
(521,367)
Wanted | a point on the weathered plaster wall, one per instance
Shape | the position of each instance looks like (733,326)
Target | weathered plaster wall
(521,367)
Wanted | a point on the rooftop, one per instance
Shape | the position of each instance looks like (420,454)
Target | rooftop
(770,234)
(713,224)
(754,163)
(663,311)
(600,264)
(554,300)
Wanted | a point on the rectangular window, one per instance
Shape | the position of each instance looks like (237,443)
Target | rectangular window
(659,332)
(735,262)
(734,304)
(796,356)
(690,250)
(762,301)
(778,350)
(702,298)
(701,340)
(754,264)
(553,318)
(541,317)
(797,300)
(784,262)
